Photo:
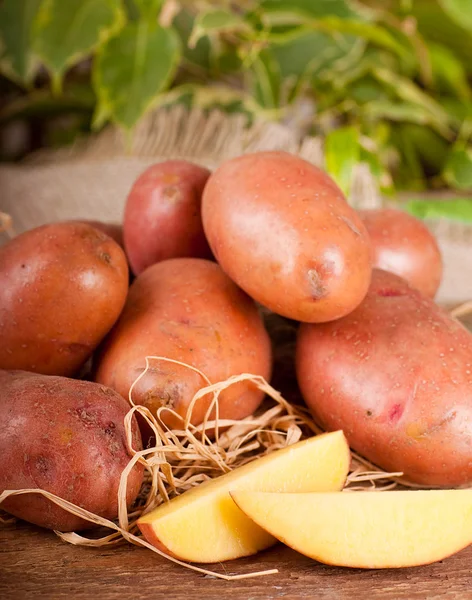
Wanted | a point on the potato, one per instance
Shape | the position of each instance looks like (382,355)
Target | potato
(62,287)
(162,215)
(66,437)
(282,230)
(188,310)
(403,245)
(396,376)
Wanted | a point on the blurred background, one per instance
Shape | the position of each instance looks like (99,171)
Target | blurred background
(386,84)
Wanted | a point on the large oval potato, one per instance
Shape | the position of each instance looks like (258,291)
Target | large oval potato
(62,287)
(396,376)
(66,437)
(162,215)
(187,310)
(403,245)
(282,230)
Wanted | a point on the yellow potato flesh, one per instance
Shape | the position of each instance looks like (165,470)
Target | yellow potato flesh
(366,529)
(205,525)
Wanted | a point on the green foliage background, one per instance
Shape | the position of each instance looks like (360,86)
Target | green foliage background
(388,83)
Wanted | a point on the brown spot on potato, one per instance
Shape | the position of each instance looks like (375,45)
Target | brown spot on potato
(88,418)
(42,465)
(158,397)
(172,193)
(317,287)
(66,435)
(105,257)
(110,429)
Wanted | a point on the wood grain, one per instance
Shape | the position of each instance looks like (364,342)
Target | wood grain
(35,564)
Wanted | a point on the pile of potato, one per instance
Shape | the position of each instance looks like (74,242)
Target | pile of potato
(376,357)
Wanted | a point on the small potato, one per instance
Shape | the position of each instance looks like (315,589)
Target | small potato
(190,311)
(62,287)
(396,376)
(162,215)
(403,245)
(282,230)
(66,437)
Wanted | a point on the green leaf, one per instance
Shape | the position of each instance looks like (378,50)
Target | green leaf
(409,171)
(342,151)
(132,68)
(311,8)
(435,25)
(448,71)
(402,112)
(216,21)
(408,91)
(16,19)
(456,209)
(66,32)
(370,32)
(460,11)
(149,8)
(458,170)
(430,146)
(312,52)
(266,80)
(200,54)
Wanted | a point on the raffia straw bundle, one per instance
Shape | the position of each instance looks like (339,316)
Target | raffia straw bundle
(92,179)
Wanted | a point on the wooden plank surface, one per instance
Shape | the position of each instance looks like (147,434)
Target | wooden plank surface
(36,564)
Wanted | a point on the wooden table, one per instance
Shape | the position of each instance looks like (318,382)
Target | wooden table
(36,564)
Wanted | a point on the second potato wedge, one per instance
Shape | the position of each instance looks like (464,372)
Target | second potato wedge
(368,530)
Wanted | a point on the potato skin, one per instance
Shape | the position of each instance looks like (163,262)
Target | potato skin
(66,437)
(162,215)
(403,245)
(187,310)
(396,376)
(62,287)
(114,230)
(282,230)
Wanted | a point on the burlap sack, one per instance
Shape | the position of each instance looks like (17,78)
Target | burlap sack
(92,179)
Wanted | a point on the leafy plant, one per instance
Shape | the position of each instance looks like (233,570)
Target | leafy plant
(387,84)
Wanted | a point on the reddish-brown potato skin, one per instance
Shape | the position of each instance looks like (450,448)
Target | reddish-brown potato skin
(403,245)
(396,376)
(66,437)
(114,230)
(162,215)
(282,230)
(62,287)
(187,310)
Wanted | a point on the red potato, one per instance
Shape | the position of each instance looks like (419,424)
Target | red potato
(66,437)
(62,287)
(162,216)
(282,230)
(403,245)
(187,310)
(396,376)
